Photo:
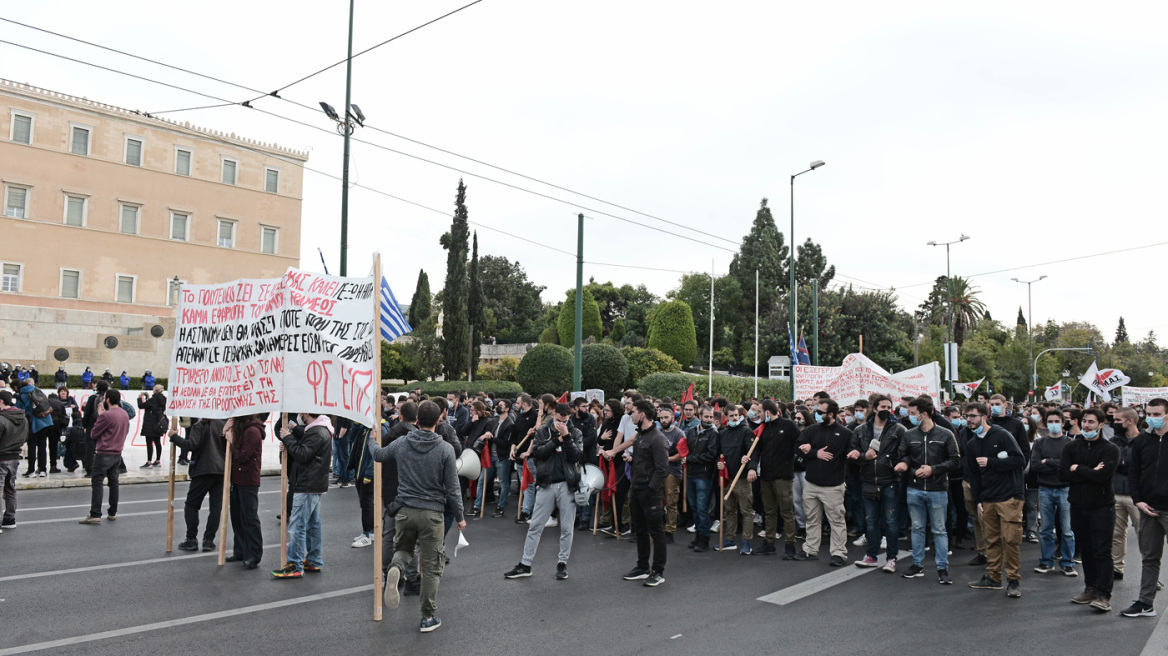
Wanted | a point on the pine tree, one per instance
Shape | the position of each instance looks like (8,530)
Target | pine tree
(455,337)
(764,250)
(476,307)
(1121,332)
(1021,317)
(420,303)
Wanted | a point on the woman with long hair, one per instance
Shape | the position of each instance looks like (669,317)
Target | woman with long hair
(246,437)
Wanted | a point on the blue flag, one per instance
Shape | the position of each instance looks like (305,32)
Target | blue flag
(794,350)
(393,322)
(804,354)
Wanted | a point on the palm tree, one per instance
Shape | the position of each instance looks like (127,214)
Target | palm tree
(968,309)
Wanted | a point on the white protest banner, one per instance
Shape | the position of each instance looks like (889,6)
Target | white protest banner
(858,377)
(968,389)
(1141,395)
(302,342)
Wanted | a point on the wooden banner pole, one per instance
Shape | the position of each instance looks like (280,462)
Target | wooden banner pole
(170,492)
(226,500)
(378,582)
(283,497)
(684,495)
(596,515)
(721,510)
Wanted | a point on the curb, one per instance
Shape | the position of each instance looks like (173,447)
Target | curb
(75,480)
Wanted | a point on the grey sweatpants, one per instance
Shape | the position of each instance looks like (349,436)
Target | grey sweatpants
(555,495)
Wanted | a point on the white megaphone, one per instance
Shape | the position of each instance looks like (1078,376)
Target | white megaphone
(592,479)
(468,465)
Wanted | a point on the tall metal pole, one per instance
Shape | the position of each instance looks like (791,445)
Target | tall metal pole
(577,362)
(815,320)
(793,324)
(1030,331)
(949,326)
(348,131)
(756,333)
(710,382)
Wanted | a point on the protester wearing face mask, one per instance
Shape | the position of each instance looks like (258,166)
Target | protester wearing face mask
(993,466)
(902,412)
(1148,482)
(828,446)
(703,443)
(879,441)
(1088,465)
(733,443)
(776,449)
(853,490)
(1053,502)
(928,452)
(1127,423)
(1001,416)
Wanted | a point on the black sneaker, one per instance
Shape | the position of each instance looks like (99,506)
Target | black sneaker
(1014,589)
(524,518)
(498,513)
(668,538)
(837,561)
(986,583)
(653,580)
(637,574)
(1118,576)
(430,623)
(1139,610)
(183,462)
(208,545)
(979,559)
(943,577)
(914,572)
(803,555)
(789,552)
(188,545)
(561,571)
(1070,571)
(767,549)
(412,588)
(520,571)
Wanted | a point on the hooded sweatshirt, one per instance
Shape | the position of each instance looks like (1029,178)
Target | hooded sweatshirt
(426,473)
(13,433)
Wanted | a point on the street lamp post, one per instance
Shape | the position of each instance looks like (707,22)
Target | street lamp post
(1030,329)
(949,302)
(346,125)
(793,324)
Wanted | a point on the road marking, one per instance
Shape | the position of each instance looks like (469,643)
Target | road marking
(74,519)
(120,503)
(182,621)
(818,584)
(134,563)
(1157,644)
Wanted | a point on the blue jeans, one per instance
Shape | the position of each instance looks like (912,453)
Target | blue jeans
(1055,508)
(486,480)
(304,533)
(882,521)
(697,491)
(932,506)
(503,472)
(341,459)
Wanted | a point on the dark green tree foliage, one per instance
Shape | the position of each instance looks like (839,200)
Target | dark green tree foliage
(625,302)
(424,350)
(604,367)
(420,303)
(501,388)
(1021,317)
(736,389)
(645,361)
(455,329)
(845,315)
(1121,332)
(618,331)
(566,325)
(811,264)
(763,249)
(672,332)
(513,304)
(395,363)
(475,307)
(695,290)
(546,369)
(550,335)
(968,309)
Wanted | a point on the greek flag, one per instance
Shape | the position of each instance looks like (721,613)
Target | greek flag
(393,323)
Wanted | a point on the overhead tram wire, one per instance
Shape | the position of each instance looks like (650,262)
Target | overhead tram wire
(317,110)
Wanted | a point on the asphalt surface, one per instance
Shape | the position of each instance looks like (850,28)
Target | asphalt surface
(709,603)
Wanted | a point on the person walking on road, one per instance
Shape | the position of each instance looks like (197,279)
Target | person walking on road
(13,435)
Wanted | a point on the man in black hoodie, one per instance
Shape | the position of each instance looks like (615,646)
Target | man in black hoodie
(699,468)
(650,467)
(993,465)
(1127,429)
(1088,465)
(734,442)
(827,446)
(407,424)
(1147,479)
(776,454)
(13,435)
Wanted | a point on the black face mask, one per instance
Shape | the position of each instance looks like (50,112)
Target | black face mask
(884,415)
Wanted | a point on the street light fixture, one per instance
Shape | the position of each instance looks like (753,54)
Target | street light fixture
(793,323)
(345,126)
(949,302)
(1030,327)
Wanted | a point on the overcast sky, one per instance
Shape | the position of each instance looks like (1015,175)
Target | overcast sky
(1037,128)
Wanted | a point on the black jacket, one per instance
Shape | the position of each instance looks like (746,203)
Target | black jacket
(1001,478)
(938,449)
(310,453)
(1119,481)
(586,424)
(571,450)
(776,450)
(878,474)
(1147,473)
(734,442)
(524,421)
(1090,489)
(650,460)
(839,441)
(703,452)
(207,446)
(152,420)
(504,438)
(1017,430)
(13,433)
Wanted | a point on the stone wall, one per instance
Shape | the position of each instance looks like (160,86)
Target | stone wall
(30,335)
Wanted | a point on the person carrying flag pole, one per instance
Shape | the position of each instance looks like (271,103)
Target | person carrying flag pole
(734,442)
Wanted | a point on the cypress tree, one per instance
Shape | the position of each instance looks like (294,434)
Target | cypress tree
(476,306)
(420,303)
(455,337)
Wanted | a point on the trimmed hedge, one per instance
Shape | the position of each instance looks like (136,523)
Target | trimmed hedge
(566,324)
(645,361)
(734,388)
(546,369)
(502,389)
(504,369)
(603,367)
(672,331)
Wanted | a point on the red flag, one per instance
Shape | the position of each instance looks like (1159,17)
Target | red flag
(758,431)
(563,398)
(610,481)
(527,478)
(725,473)
(485,456)
(682,448)
(472,489)
(688,395)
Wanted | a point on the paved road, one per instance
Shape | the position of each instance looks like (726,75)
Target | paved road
(126,596)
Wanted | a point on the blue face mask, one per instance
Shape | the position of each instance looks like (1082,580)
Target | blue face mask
(750,414)
(980,430)
(915,420)
(1090,435)
(1035,418)
(1055,429)
(734,422)
(818,418)
(958,423)
(996,410)
(859,416)
(903,412)
(1155,423)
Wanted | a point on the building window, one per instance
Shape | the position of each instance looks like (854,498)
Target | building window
(75,207)
(79,144)
(268,240)
(16,202)
(182,161)
(172,288)
(125,288)
(180,226)
(272,181)
(229,171)
(70,283)
(21,128)
(226,234)
(133,151)
(129,222)
(10,278)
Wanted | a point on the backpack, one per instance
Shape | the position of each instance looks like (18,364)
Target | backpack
(39,403)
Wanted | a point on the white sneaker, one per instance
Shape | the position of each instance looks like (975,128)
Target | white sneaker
(715,525)
(757,518)
(692,529)
(861,541)
(41,475)
(363,541)
(762,533)
(551,523)
(883,543)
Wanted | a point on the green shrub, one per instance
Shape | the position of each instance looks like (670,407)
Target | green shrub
(504,369)
(566,325)
(502,389)
(645,361)
(395,363)
(603,367)
(549,336)
(672,331)
(734,388)
(546,369)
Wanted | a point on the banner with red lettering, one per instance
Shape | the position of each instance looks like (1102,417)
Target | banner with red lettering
(1141,395)
(302,342)
(859,377)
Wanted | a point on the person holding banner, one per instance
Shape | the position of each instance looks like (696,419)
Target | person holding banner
(205,442)
(309,450)
(245,435)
